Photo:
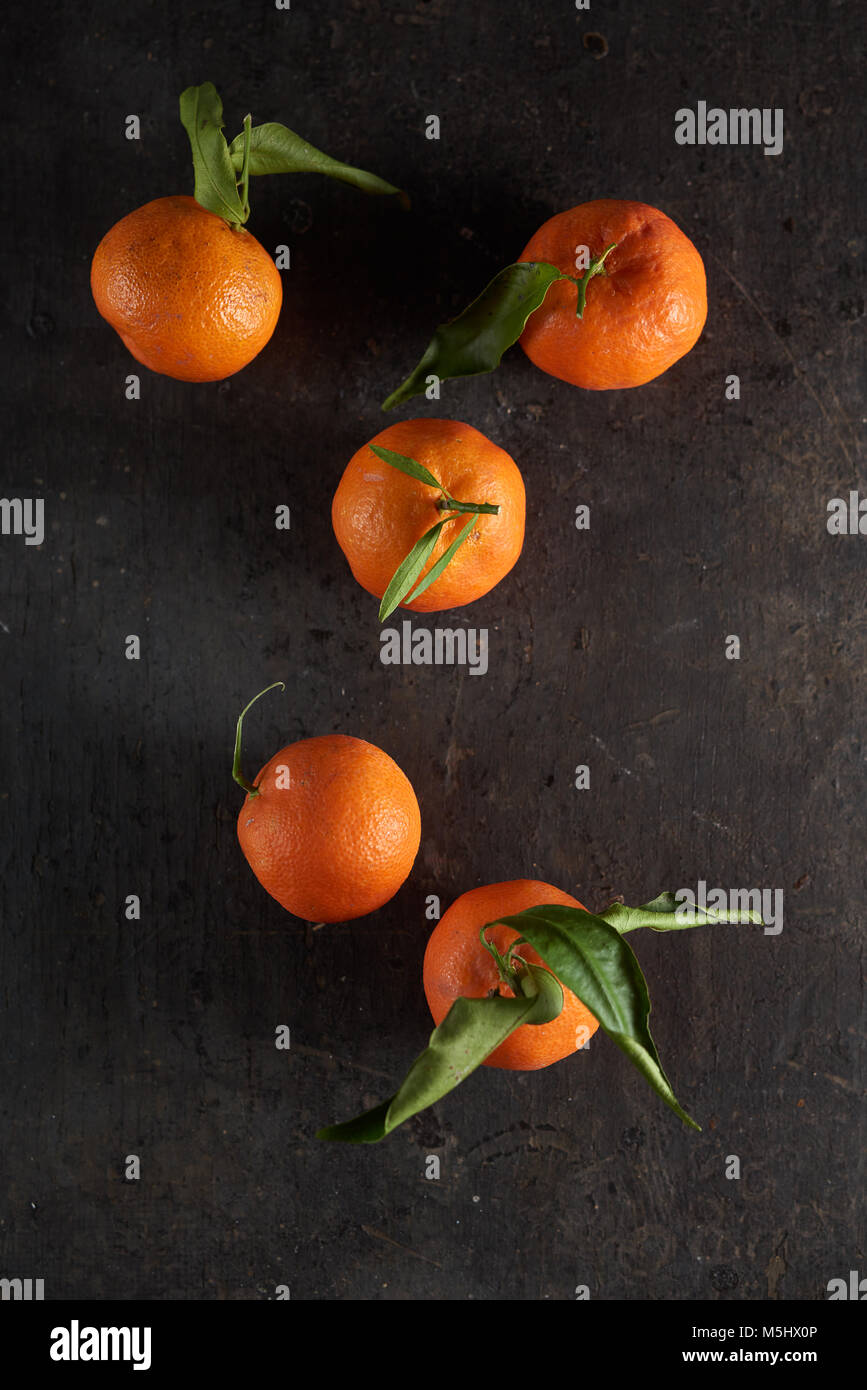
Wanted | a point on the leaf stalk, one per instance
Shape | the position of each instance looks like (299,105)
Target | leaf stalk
(244,179)
(596,267)
(448,504)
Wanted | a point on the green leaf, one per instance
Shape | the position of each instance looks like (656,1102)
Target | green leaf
(590,958)
(665,913)
(274,149)
(407,465)
(436,570)
(409,570)
(475,341)
(202,118)
(469,1033)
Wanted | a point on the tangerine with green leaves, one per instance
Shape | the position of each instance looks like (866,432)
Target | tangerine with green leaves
(607,295)
(191,293)
(499,1003)
(643,303)
(330,827)
(456,964)
(464,525)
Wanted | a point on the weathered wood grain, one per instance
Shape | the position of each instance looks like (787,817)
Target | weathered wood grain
(606,647)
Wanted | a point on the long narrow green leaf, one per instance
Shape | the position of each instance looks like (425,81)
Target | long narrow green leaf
(274,149)
(215,187)
(470,1032)
(666,913)
(409,570)
(475,341)
(407,465)
(590,958)
(436,570)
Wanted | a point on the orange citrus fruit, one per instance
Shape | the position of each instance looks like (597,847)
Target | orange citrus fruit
(334,829)
(643,313)
(190,296)
(379,513)
(456,963)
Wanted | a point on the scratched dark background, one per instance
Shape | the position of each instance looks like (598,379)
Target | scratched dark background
(606,647)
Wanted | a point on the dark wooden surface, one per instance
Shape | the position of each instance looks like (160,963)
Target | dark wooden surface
(607,648)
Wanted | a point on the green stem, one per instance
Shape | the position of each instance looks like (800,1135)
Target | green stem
(507,972)
(244,179)
(448,504)
(239,777)
(596,267)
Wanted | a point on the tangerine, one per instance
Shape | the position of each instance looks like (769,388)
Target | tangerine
(379,513)
(190,296)
(456,963)
(331,829)
(644,309)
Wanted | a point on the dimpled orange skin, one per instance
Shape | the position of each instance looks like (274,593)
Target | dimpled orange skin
(339,837)
(456,963)
(190,296)
(379,513)
(639,318)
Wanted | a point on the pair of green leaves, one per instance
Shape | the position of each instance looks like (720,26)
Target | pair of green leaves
(588,955)
(404,580)
(222,171)
(474,342)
